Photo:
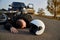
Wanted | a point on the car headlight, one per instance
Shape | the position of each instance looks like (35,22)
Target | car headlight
(30,6)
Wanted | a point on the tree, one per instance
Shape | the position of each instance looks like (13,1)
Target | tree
(41,11)
(53,7)
(55,13)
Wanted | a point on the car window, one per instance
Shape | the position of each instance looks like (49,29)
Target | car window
(18,4)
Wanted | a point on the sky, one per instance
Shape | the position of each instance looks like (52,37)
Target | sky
(37,3)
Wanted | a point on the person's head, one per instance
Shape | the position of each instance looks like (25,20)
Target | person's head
(22,23)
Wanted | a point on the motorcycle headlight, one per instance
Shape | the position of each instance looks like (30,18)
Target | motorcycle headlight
(24,10)
(10,7)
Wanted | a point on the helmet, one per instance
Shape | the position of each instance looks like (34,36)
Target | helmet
(37,27)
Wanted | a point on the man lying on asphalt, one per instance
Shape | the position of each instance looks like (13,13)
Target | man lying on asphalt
(35,26)
(19,21)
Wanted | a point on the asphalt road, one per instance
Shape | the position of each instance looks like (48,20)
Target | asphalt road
(52,32)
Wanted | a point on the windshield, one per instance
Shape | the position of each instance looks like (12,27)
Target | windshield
(18,4)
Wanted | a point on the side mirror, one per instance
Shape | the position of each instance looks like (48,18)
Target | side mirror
(10,5)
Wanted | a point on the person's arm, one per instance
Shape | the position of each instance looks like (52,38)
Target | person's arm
(7,26)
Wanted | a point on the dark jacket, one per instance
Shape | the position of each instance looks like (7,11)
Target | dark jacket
(12,22)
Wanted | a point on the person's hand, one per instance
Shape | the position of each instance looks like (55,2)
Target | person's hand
(13,30)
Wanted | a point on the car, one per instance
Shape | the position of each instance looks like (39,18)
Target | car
(17,6)
(21,7)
